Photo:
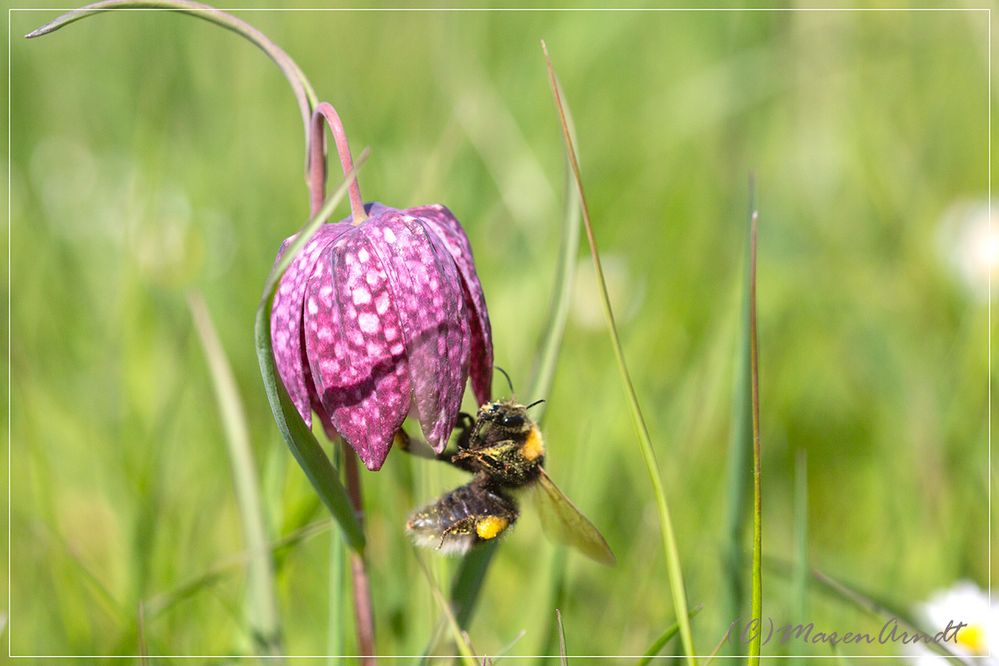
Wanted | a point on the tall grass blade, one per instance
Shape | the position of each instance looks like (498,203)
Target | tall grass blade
(677,588)
(881,608)
(664,638)
(262,606)
(300,440)
(472,571)
(739,447)
(561,638)
(799,571)
(164,601)
(503,651)
(718,646)
(864,601)
(754,367)
(459,637)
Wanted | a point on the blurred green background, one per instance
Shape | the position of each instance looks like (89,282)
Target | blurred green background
(154,155)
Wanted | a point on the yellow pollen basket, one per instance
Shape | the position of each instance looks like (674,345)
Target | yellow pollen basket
(534,446)
(972,638)
(490,527)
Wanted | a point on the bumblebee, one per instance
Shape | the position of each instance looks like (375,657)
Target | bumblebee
(503,447)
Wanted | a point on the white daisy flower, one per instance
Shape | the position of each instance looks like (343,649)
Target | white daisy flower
(969,242)
(968,608)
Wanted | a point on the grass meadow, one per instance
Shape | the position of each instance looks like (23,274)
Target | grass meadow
(153,156)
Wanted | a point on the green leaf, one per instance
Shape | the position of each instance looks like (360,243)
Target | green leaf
(310,456)
(468,581)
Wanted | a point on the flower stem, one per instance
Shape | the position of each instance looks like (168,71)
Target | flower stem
(363,616)
(317,160)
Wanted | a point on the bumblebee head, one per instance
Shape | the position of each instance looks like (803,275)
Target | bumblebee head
(506,415)
(506,443)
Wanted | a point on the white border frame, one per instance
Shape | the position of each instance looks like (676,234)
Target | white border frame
(5,628)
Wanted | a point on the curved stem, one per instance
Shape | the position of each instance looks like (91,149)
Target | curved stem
(304,92)
(317,160)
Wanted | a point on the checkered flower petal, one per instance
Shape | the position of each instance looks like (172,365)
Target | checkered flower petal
(443,221)
(286,318)
(381,319)
(355,349)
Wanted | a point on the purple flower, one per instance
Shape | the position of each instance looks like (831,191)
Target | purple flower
(381,319)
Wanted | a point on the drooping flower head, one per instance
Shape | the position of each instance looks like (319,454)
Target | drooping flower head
(376,320)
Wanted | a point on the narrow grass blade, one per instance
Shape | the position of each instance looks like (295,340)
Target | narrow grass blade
(739,447)
(300,440)
(664,638)
(717,649)
(645,442)
(799,572)
(105,599)
(503,651)
(164,601)
(304,93)
(561,638)
(460,639)
(472,571)
(754,368)
(262,607)
(881,608)
(865,601)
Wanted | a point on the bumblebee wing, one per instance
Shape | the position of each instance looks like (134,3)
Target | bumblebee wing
(567,524)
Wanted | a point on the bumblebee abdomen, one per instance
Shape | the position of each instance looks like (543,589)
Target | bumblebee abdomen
(462,518)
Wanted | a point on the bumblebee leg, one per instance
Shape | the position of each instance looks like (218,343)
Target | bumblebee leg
(417,447)
(484,526)
(465,526)
(421,449)
(465,425)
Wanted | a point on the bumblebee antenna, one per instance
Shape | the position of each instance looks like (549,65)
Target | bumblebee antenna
(508,380)
(535,403)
